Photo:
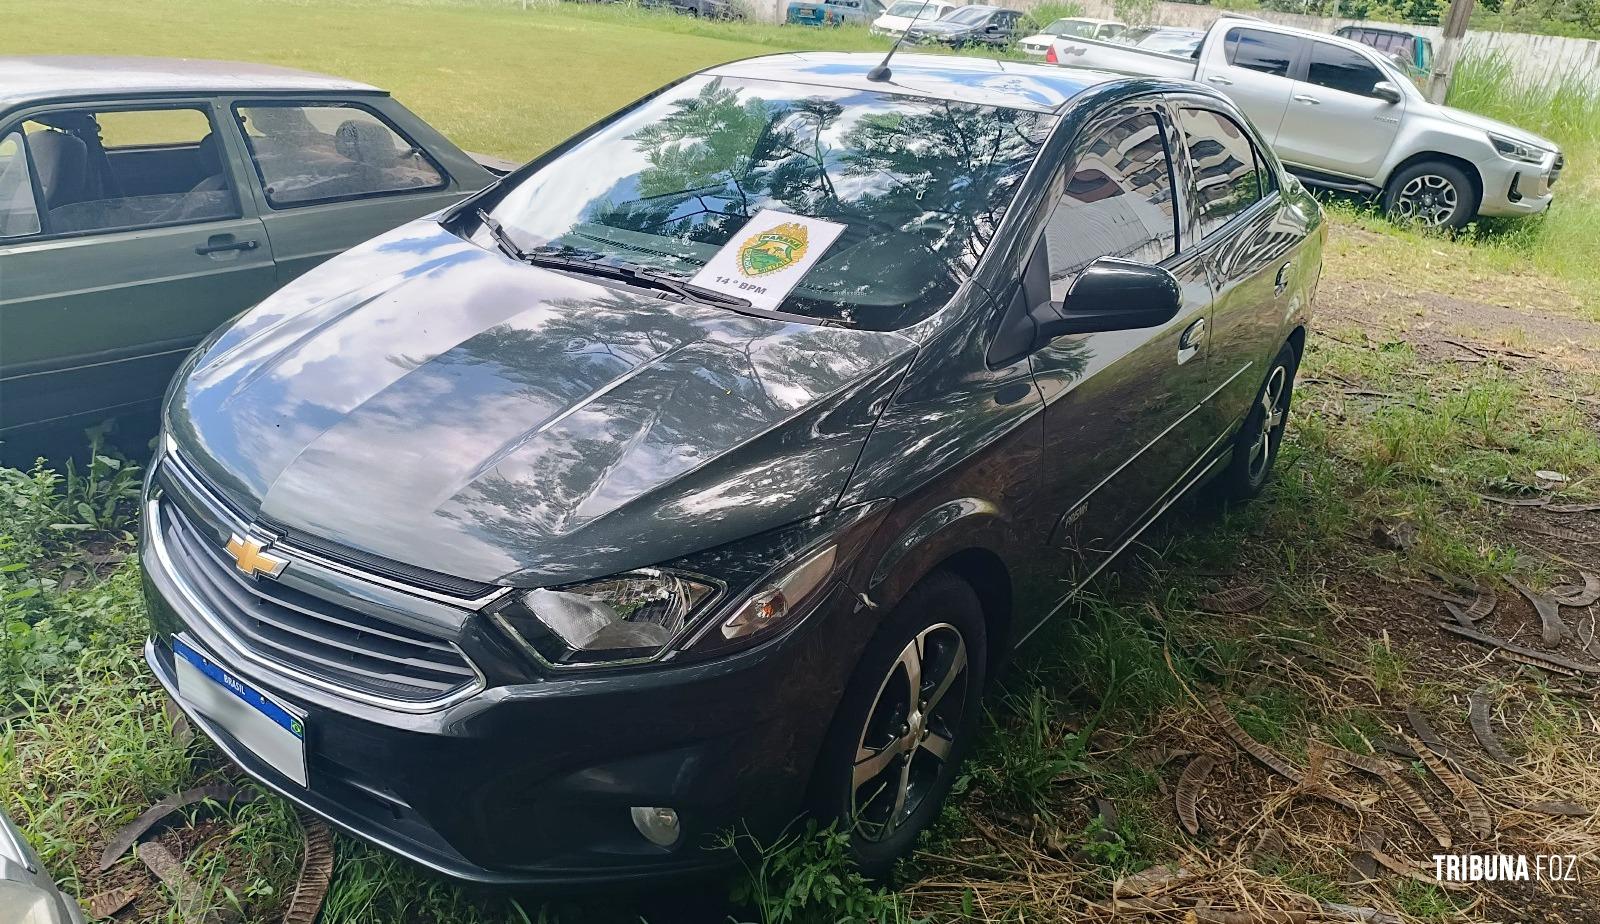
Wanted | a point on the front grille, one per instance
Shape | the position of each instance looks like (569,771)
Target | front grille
(1555,170)
(299,630)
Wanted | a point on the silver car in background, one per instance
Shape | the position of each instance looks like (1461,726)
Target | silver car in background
(1341,115)
(27,893)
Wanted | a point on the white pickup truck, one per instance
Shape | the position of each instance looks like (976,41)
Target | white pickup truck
(1342,116)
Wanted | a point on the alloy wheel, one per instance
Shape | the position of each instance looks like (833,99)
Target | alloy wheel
(1430,199)
(909,732)
(1274,411)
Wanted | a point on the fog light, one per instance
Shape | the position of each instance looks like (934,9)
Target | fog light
(658,824)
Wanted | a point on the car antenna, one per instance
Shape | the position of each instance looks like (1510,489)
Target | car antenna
(880,74)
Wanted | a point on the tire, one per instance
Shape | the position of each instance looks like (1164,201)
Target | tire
(876,728)
(1255,446)
(1434,194)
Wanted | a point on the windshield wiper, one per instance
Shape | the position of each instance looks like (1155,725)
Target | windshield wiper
(633,275)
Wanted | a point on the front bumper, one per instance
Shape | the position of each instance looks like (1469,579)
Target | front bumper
(531,783)
(1512,188)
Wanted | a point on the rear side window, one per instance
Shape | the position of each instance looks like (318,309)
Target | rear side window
(117,170)
(306,154)
(1227,177)
(1343,69)
(1256,50)
(1117,202)
(19,215)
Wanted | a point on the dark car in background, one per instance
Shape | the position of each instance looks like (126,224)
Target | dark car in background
(548,539)
(144,201)
(967,25)
(1410,51)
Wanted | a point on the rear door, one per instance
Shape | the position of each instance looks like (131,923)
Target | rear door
(329,174)
(1255,68)
(1247,242)
(1120,422)
(123,242)
(1334,122)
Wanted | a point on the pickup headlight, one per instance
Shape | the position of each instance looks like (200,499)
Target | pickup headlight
(1516,150)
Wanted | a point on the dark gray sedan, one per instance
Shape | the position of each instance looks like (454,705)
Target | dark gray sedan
(701,472)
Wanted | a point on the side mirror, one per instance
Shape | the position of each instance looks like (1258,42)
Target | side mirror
(1386,91)
(1113,294)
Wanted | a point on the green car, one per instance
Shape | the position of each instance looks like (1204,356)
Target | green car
(143,202)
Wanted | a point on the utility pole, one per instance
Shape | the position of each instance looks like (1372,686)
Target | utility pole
(1444,59)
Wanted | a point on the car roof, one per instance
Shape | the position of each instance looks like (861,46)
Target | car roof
(28,78)
(1012,84)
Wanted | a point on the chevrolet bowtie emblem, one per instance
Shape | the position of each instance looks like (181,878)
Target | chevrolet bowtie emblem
(249,557)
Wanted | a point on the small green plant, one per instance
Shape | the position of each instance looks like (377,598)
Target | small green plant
(1028,753)
(807,876)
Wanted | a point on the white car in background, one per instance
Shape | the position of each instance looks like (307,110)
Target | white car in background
(1104,30)
(898,16)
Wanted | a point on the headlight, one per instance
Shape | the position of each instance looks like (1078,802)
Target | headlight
(1516,150)
(774,604)
(631,616)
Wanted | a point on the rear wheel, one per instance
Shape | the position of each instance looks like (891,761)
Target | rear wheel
(1255,447)
(904,723)
(1434,194)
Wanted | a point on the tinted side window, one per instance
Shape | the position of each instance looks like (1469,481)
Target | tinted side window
(309,154)
(19,214)
(1117,202)
(117,170)
(1267,52)
(1341,69)
(1227,179)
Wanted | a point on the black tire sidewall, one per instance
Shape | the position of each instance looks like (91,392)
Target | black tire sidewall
(1467,198)
(940,597)
(1236,483)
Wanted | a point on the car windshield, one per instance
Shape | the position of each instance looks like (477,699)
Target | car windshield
(1071,28)
(919,184)
(1172,43)
(911,7)
(969,15)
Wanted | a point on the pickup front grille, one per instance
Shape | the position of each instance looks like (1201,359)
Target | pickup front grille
(1555,170)
(291,627)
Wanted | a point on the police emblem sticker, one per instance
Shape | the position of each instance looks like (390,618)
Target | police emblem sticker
(768,257)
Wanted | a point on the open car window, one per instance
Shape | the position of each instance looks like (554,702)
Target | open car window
(116,170)
(919,184)
(312,153)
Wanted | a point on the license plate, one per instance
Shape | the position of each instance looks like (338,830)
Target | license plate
(270,729)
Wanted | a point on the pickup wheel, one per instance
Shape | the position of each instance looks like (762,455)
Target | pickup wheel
(1255,447)
(1434,194)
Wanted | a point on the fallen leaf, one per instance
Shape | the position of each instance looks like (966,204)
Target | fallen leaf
(156,814)
(1233,600)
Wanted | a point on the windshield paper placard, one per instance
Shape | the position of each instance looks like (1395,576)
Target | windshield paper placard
(768,257)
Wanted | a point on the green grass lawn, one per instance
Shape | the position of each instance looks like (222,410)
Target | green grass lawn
(493,77)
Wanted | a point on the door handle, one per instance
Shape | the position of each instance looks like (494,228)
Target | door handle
(223,243)
(1282,282)
(1190,340)
(1220,80)
(1308,100)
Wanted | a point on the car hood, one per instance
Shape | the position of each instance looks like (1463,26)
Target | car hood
(1474,120)
(427,401)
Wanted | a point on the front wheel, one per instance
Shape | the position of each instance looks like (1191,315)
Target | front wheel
(1255,447)
(1433,194)
(904,723)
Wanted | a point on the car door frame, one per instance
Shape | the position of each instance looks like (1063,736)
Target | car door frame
(1233,388)
(1059,522)
(445,158)
(1389,114)
(1217,69)
(107,361)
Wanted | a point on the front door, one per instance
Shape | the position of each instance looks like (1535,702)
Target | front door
(332,174)
(1120,421)
(123,242)
(1334,122)
(1255,69)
